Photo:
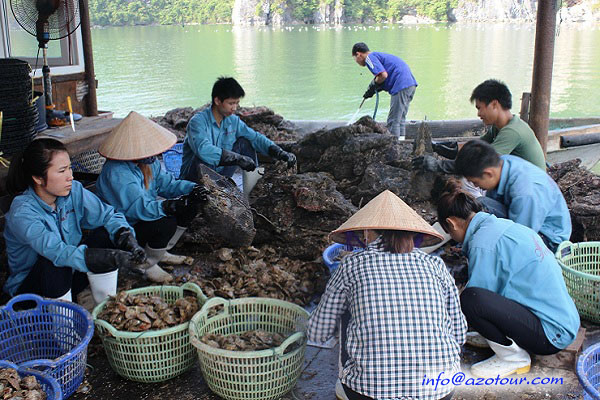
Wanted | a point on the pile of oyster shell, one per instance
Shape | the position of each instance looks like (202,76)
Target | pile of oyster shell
(13,387)
(247,341)
(137,313)
(252,272)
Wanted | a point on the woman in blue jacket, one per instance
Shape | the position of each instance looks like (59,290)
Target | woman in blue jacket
(516,297)
(131,181)
(43,232)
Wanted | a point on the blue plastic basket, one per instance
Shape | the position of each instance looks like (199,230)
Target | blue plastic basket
(172,159)
(332,252)
(49,385)
(51,337)
(588,372)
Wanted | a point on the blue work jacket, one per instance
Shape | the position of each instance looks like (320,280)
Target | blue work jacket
(33,228)
(121,184)
(510,259)
(205,139)
(532,199)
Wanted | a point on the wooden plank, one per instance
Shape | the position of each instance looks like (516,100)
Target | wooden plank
(90,133)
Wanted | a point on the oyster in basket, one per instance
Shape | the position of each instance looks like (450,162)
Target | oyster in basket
(247,341)
(12,386)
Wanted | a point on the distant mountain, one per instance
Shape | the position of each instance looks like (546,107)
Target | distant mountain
(281,12)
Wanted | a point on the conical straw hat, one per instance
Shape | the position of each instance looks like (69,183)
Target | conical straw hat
(136,137)
(386,211)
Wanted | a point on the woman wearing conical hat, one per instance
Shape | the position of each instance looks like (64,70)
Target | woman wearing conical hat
(516,297)
(405,320)
(131,181)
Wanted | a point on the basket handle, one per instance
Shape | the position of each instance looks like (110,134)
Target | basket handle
(561,247)
(105,325)
(216,301)
(22,298)
(289,341)
(36,364)
(192,287)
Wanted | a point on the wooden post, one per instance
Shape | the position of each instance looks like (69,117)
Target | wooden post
(525,101)
(542,70)
(88,57)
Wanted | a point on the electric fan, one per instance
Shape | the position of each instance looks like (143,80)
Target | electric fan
(47,20)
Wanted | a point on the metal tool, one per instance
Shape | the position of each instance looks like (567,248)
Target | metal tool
(71,113)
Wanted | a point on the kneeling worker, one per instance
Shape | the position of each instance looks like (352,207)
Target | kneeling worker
(219,139)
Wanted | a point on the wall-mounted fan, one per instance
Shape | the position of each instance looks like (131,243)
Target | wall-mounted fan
(47,20)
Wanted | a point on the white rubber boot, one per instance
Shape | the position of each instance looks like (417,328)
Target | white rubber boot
(507,361)
(66,296)
(151,270)
(476,340)
(340,394)
(249,179)
(103,285)
(173,259)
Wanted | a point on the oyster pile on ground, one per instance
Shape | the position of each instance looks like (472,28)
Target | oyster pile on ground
(247,341)
(137,313)
(252,272)
(12,386)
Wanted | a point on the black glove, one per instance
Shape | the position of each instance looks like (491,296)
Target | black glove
(198,194)
(373,88)
(99,261)
(124,240)
(446,149)
(280,154)
(177,206)
(429,163)
(232,158)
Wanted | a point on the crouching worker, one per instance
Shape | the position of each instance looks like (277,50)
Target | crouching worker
(405,319)
(219,139)
(43,231)
(516,297)
(131,181)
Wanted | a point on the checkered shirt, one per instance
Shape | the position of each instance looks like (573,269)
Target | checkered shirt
(406,322)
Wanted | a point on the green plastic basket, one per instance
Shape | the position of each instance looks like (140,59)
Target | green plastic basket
(154,355)
(580,263)
(251,375)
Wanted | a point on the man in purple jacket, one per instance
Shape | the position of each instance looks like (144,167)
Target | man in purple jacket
(393,75)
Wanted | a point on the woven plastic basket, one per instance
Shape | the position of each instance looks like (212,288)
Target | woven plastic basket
(49,385)
(588,372)
(52,337)
(332,252)
(154,355)
(172,159)
(250,375)
(580,263)
(89,161)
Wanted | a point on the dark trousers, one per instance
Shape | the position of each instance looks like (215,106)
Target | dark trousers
(47,280)
(497,318)
(156,234)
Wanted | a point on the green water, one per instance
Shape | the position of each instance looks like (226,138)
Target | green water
(308,73)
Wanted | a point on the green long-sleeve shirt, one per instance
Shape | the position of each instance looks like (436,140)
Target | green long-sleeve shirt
(516,138)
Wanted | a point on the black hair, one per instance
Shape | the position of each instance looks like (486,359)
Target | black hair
(226,88)
(452,200)
(359,47)
(33,161)
(474,157)
(490,90)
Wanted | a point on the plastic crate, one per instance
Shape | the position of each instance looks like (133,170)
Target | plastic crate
(172,159)
(153,355)
(250,375)
(332,252)
(49,385)
(89,162)
(52,337)
(580,263)
(588,372)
